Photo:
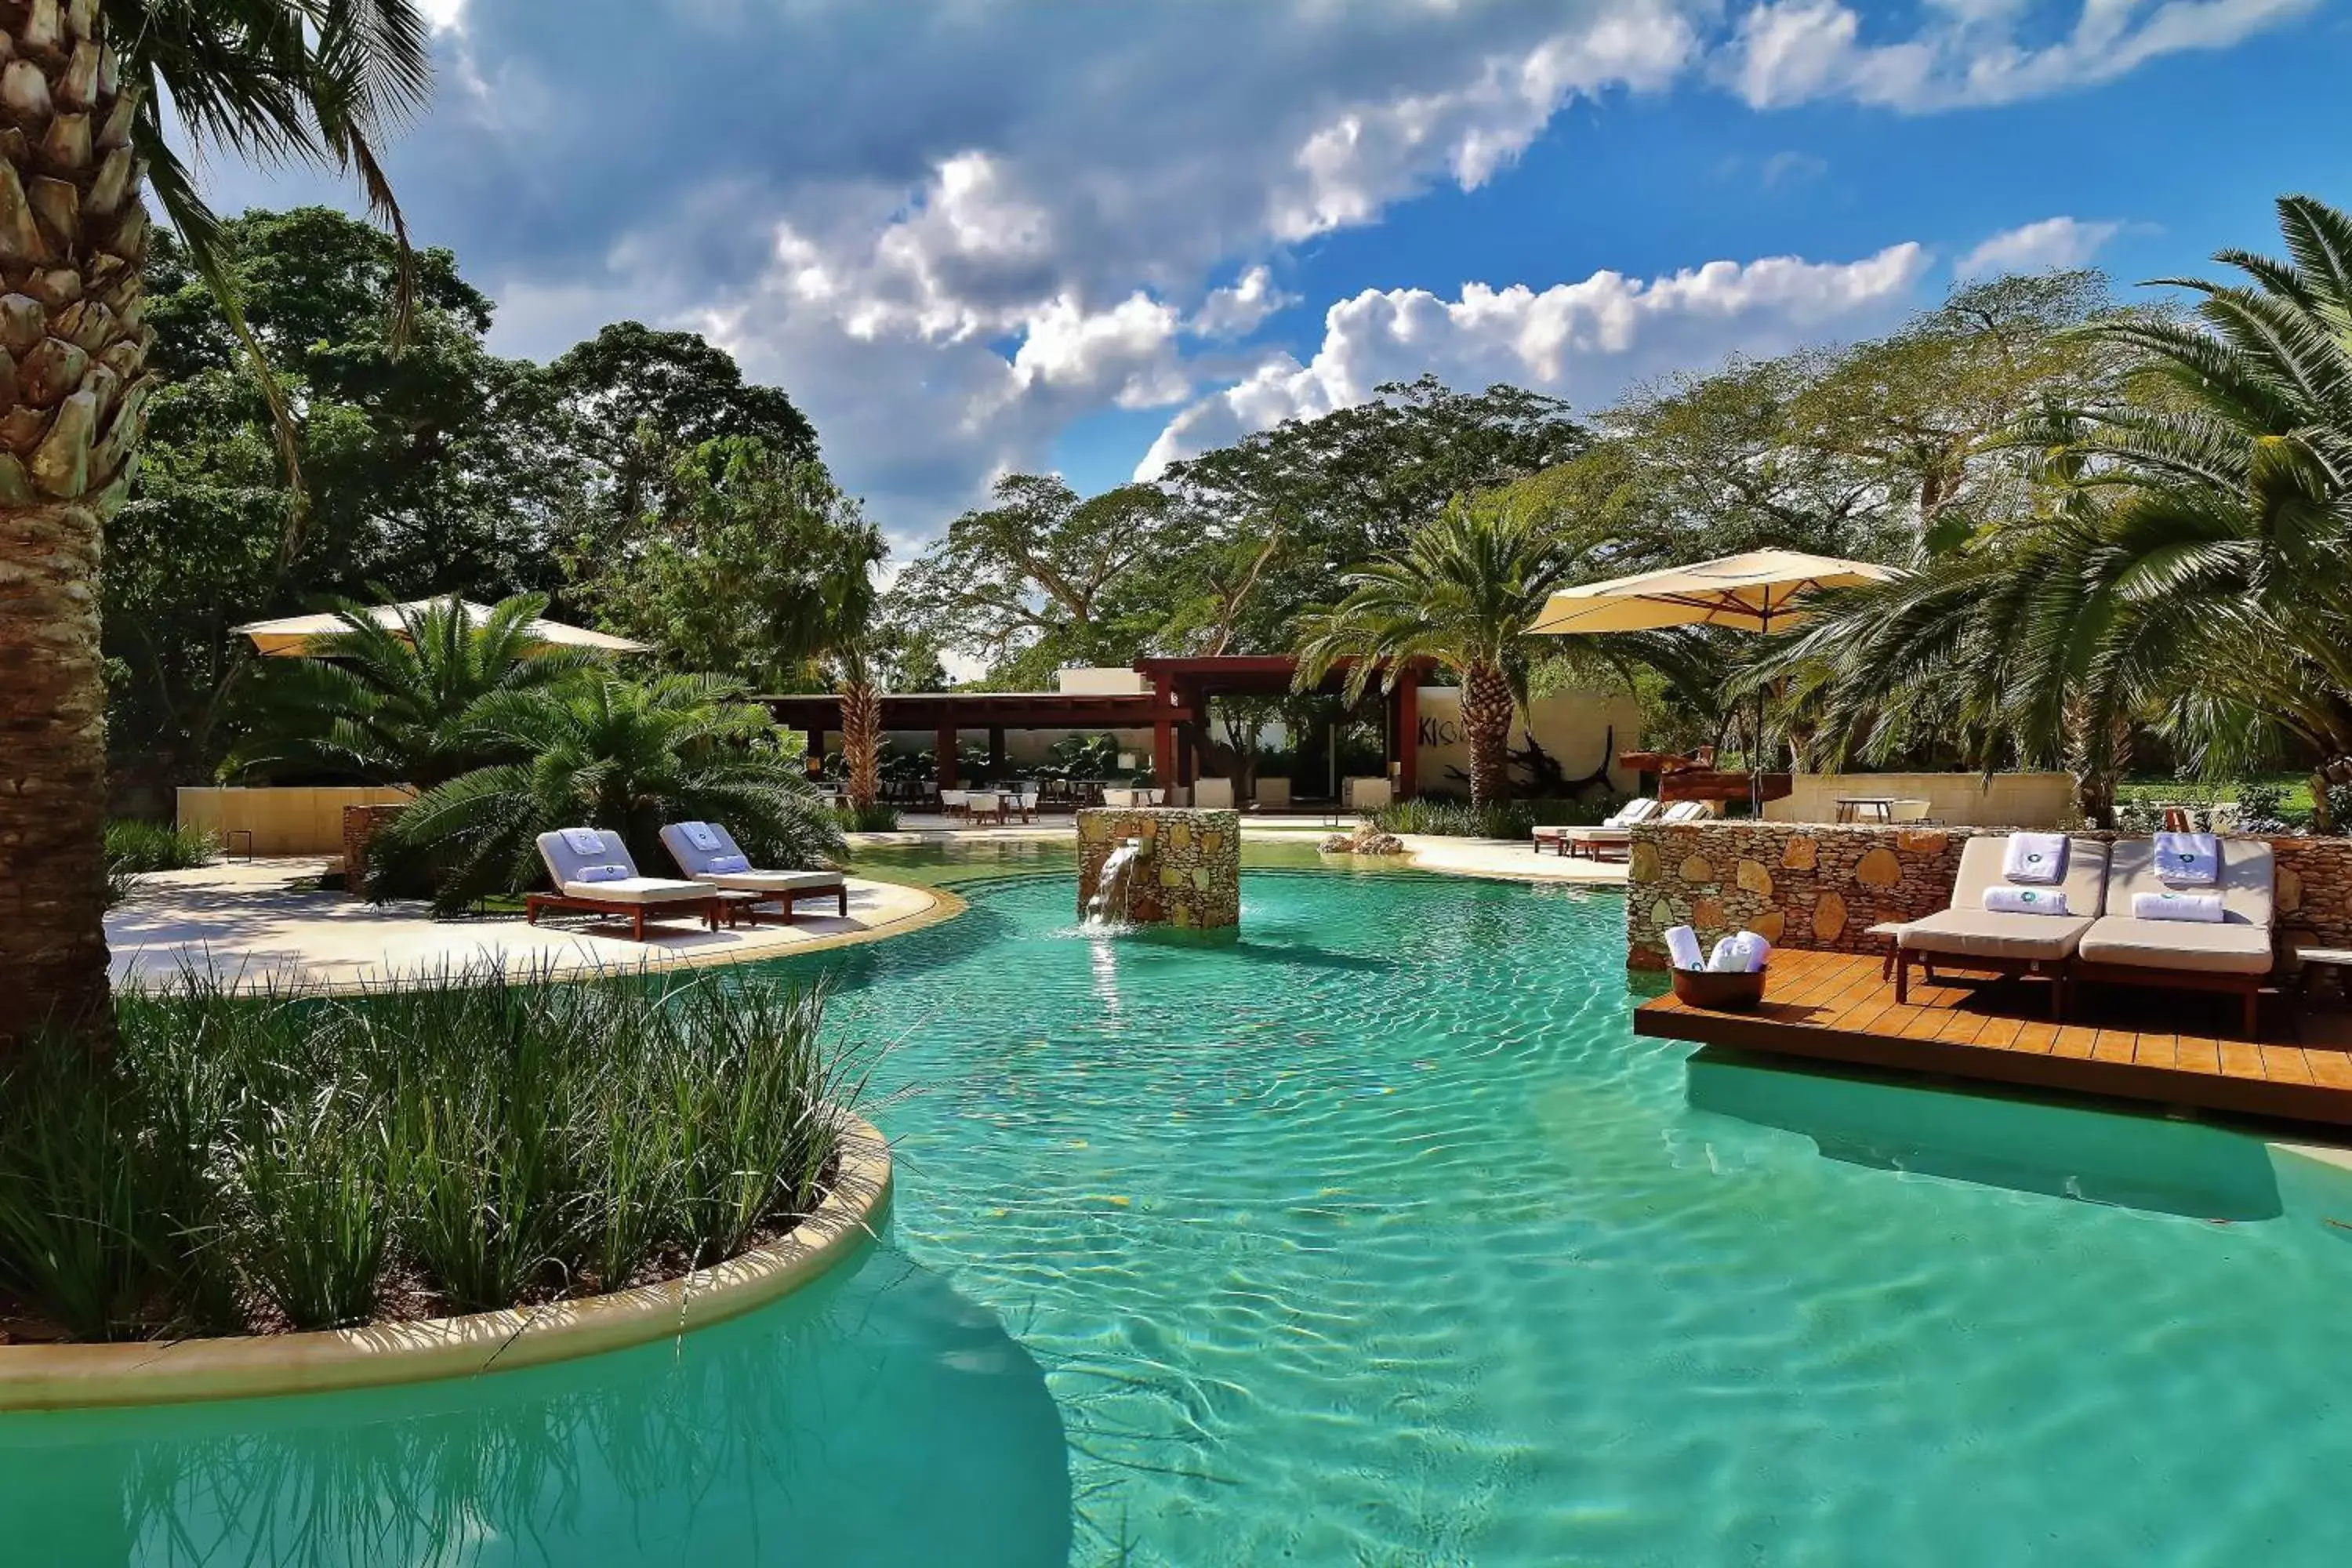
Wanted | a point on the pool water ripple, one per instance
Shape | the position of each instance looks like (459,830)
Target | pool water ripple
(1373,1236)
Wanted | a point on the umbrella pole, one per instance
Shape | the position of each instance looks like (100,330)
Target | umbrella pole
(1756,745)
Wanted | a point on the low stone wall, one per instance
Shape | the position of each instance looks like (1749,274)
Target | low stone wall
(360,824)
(1191,872)
(1824,888)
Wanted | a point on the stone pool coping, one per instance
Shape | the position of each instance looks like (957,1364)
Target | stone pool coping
(68,1376)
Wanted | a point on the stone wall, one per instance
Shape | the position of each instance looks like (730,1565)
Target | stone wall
(1824,888)
(360,824)
(2004,800)
(1191,870)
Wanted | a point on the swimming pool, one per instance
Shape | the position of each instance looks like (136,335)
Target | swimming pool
(1370,1236)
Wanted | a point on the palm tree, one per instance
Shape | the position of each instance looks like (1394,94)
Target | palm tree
(606,753)
(861,729)
(1462,592)
(84,91)
(2193,566)
(400,706)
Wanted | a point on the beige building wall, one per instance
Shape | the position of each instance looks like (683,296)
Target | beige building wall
(1580,728)
(281,821)
(1962,800)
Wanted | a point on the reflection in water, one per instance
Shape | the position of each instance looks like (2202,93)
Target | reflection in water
(879,1418)
(2106,1157)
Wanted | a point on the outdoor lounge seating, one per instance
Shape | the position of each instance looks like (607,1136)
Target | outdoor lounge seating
(2232,954)
(1974,937)
(706,852)
(1614,828)
(593,873)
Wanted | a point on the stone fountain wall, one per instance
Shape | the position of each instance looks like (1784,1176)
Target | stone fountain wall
(1812,886)
(1190,873)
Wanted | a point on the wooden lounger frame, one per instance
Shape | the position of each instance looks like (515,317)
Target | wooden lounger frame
(2250,986)
(708,907)
(749,899)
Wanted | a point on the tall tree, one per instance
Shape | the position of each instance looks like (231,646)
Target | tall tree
(1265,520)
(634,401)
(760,568)
(1462,592)
(1025,585)
(424,470)
(84,95)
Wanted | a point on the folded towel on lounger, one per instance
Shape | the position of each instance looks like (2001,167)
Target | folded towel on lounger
(601,874)
(583,840)
(2025,900)
(2035,857)
(2203,907)
(2189,859)
(1682,948)
(702,836)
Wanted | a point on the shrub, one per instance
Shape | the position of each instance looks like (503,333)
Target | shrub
(879,817)
(134,847)
(243,1163)
(2262,808)
(1505,819)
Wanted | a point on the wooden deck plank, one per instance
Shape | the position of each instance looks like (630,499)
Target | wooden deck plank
(1834,1008)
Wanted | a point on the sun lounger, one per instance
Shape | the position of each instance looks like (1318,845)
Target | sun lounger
(706,852)
(2234,954)
(593,873)
(1973,937)
(1614,828)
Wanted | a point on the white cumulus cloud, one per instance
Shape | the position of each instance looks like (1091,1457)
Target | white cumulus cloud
(2037,248)
(1582,340)
(1789,51)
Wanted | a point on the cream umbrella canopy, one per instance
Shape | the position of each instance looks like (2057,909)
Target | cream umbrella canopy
(1754,592)
(292,635)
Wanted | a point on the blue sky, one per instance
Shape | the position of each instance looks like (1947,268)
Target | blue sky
(977,236)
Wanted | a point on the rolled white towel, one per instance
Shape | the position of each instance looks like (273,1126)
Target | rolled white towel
(2038,858)
(1755,950)
(2189,859)
(1728,957)
(601,874)
(2202,907)
(1682,948)
(2026,900)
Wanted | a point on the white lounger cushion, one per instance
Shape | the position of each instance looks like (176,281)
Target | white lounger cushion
(581,861)
(2240,945)
(702,862)
(770,882)
(1967,930)
(638,890)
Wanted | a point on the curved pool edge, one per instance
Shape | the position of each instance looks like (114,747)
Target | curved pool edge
(74,1376)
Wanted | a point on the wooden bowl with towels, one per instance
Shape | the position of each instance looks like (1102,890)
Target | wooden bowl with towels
(1732,992)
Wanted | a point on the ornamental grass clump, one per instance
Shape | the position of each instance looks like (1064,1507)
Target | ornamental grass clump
(248,1164)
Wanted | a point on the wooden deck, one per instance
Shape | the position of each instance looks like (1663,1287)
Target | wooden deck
(2173,1048)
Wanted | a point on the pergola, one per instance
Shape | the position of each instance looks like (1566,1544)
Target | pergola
(948,714)
(1182,691)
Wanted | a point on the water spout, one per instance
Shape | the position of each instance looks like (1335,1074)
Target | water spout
(1115,886)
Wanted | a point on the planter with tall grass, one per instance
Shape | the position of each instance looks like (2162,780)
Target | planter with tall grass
(341,1176)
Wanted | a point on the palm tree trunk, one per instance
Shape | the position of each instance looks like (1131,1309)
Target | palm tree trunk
(52,771)
(73,394)
(1487,723)
(861,741)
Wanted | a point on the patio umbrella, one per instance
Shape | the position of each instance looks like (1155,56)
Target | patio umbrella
(292,636)
(1753,592)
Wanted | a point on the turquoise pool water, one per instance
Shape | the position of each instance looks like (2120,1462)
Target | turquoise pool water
(1370,1236)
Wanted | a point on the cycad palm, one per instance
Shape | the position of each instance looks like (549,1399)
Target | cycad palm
(83,100)
(1462,593)
(2193,569)
(610,753)
(401,706)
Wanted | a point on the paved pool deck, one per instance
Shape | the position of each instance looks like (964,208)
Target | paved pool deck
(265,923)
